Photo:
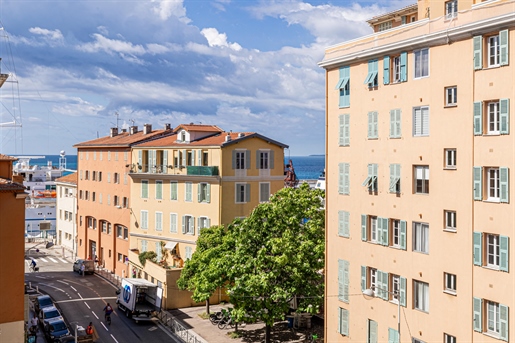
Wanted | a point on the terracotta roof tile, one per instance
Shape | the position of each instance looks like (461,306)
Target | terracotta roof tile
(123,139)
(7,158)
(70,178)
(8,185)
(198,127)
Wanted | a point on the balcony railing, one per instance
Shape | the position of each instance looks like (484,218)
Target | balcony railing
(203,171)
(171,169)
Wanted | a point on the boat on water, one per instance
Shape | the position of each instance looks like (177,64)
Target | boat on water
(320,184)
(40,203)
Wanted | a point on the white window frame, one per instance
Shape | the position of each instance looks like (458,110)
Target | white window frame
(203,189)
(240,157)
(421,179)
(395,233)
(448,338)
(203,222)
(396,69)
(451,9)
(493,321)
(374,234)
(395,287)
(421,63)
(264,159)
(493,184)
(451,96)
(386,25)
(493,50)
(493,118)
(450,156)
(419,114)
(189,229)
(143,245)
(449,283)
(421,237)
(493,251)
(372,279)
(450,220)
(173,222)
(421,296)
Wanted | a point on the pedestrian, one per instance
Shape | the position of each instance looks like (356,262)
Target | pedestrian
(89,329)
(82,268)
(34,323)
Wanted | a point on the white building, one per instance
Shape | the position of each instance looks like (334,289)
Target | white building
(66,216)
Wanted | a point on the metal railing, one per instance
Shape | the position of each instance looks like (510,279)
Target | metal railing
(180,331)
(111,277)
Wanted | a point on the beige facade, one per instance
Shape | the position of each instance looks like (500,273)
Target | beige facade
(419,200)
(198,177)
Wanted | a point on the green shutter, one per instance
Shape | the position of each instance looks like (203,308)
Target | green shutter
(478,118)
(397,123)
(393,336)
(404,64)
(363,278)
(477,43)
(184,158)
(346,226)
(341,133)
(247,192)
(258,158)
(386,70)
(363,227)
(346,129)
(271,160)
(372,331)
(385,231)
(339,320)
(344,322)
(504,253)
(192,226)
(504,114)
(478,317)
(402,235)
(340,279)
(165,161)
(183,224)
(478,183)
(199,191)
(402,291)
(341,178)
(386,295)
(392,178)
(503,319)
(193,157)
(370,133)
(208,193)
(478,249)
(341,215)
(503,47)
(504,184)
(346,281)
(199,157)
(392,124)
(346,184)
(380,230)
(140,158)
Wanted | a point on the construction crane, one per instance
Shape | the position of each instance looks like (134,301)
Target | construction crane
(290,179)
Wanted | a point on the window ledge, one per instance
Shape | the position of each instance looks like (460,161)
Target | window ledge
(492,134)
(493,200)
(396,247)
(450,230)
(450,168)
(494,268)
(420,310)
(421,77)
(492,334)
(448,291)
(450,105)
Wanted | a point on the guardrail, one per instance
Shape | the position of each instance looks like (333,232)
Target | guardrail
(111,277)
(180,331)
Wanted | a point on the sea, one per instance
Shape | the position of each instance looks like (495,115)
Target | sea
(306,167)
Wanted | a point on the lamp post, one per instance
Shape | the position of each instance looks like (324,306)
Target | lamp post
(370,293)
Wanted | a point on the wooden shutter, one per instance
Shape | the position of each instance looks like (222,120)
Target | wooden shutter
(165,161)
(375,118)
(504,253)
(380,230)
(199,191)
(140,158)
(346,177)
(363,278)
(208,193)
(404,64)
(402,236)
(346,226)
(477,43)
(397,121)
(346,129)
(504,116)
(340,178)
(372,331)
(341,133)
(341,215)
(392,124)
(385,231)
(183,224)
(386,296)
(199,157)
(402,291)
(193,157)
(478,118)
(247,159)
(393,336)
(344,322)
(503,47)
(392,178)
(478,183)
(478,249)
(192,225)
(478,316)
(184,157)
(386,70)
(346,281)
(247,192)
(234,159)
(425,121)
(364,232)
(503,320)
(340,279)
(504,184)
(370,133)
(379,284)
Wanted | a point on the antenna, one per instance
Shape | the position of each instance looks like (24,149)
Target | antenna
(132,121)
(117,118)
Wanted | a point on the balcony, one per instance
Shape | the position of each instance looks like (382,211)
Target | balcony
(173,170)
(202,171)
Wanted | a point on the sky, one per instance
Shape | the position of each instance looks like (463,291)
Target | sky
(79,67)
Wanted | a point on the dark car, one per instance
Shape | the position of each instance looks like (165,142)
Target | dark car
(55,329)
(41,302)
(89,266)
(49,313)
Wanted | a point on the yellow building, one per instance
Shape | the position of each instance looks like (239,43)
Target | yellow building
(198,177)
(420,148)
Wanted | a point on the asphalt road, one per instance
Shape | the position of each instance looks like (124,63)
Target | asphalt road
(81,300)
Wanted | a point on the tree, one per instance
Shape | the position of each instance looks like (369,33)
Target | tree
(206,270)
(279,254)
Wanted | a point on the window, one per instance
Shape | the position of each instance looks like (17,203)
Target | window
(125,202)
(450,220)
(384,26)
(372,125)
(143,245)
(448,338)
(144,220)
(493,316)
(159,221)
(125,233)
(120,257)
(450,158)
(93,196)
(263,159)
(395,123)
(144,189)
(108,177)
(451,9)
(371,78)
(343,321)
(189,158)
(398,234)
(371,331)
(373,229)
(242,193)
(496,251)
(205,159)
(421,237)
(451,96)
(421,174)
(395,178)
(108,199)
(492,118)
(104,227)
(449,283)
(343,224)
(188,193)
(492,251)
(87,195)
(344,130)
(159,190)
(188,224)
(204,192)
(394,68)
(492,175)
(240,159)
(496,53)
(108,228)
(264,191)
(421,63)
(421,296)
(343,281)
(395,287)
(203,222)
(343,86)
(371,180)
(87,175)
(420,121)
(173,190)
(94,176)
(173,222)
(497,186)
(100,175)
(116,200)
(343,178)
(119,231)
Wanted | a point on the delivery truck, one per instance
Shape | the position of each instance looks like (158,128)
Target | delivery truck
(139,299)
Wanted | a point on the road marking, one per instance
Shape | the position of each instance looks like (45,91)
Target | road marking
(62,259)
(80,296)
(42,259)
(61,281)
(105,327)
(73,288)
(85,303)
(59,289)
(53,260)
(114,338)
(85,299)
(153,328)
(94,314)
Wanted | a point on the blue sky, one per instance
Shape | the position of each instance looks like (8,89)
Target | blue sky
(241,65)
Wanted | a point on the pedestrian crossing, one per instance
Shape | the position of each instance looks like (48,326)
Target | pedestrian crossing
(48,259)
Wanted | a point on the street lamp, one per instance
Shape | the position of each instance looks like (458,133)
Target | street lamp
(369,293)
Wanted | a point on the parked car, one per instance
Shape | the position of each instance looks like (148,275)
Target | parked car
(42,301)
(49,313)
(55,329)
(88,264)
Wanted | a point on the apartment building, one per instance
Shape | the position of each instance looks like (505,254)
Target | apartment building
(66,221)
(198,177)
(12,248)
(420,152)
(103,187)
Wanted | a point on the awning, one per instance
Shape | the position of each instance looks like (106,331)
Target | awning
(170,245)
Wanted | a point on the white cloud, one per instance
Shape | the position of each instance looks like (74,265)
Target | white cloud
(102,43)
(52,37)
(214,38)
(166,9)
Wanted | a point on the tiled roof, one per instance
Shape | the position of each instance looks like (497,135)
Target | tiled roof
(8,185)
(7,158)
(385,15)
(198,127)
(123,139)
(70,178)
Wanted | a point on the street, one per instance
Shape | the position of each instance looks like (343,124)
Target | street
(81,300)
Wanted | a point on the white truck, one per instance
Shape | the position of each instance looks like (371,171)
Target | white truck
(139,299)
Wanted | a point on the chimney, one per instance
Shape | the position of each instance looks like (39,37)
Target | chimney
(147,128)
(168,127)
(133,129)
(241,134)
(114,131)
(124,130)
(228,137)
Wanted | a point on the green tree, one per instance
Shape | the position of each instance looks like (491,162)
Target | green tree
(279,254)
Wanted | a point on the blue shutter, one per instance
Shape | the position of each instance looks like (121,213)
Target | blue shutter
(478,183)
(504,253)
(504,114)
(503,47)
(402,291)
(363,227)
(504,184)
(363,278)
(344,77)
(404,64)
(402,235)
(386,70)
(503,320)
(271,160)
(478,317)
(478,249)
(393,336)
(477,43)
(379,285)
(478,118)
(247,159)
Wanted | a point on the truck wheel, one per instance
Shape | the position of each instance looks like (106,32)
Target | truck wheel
(128,313)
